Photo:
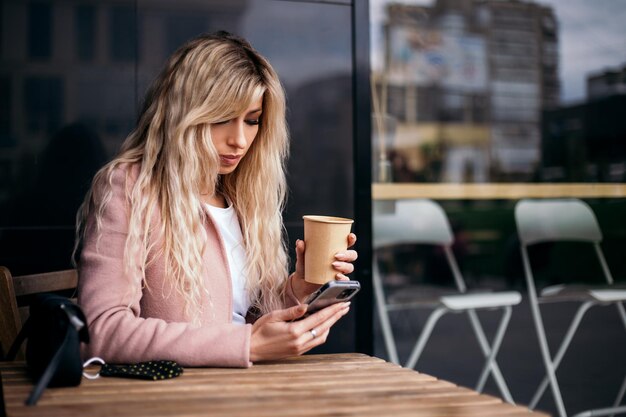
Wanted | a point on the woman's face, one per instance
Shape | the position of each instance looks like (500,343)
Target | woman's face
(232,138)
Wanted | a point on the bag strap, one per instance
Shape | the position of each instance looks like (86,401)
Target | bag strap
(21,336)
(47,375)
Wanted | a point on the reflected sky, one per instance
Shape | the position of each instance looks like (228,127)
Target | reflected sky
(301,45)
(592,37)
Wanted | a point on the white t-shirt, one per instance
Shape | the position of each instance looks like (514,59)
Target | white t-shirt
(228,225)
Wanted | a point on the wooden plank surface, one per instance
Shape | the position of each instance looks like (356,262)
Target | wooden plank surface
(495,191)
(311,385)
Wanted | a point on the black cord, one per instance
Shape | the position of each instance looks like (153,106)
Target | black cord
(47,375)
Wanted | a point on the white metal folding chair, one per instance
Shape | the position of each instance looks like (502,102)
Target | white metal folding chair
(424,222)
(554,220)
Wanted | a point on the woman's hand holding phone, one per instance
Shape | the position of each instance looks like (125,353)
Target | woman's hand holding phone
(276,335)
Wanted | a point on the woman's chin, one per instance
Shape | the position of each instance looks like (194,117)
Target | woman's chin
(224,170)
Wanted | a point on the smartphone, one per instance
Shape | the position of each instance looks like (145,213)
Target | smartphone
(330,293)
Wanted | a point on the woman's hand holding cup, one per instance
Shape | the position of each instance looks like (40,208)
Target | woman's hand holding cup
(327,259)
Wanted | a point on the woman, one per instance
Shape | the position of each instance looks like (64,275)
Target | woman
(182,255)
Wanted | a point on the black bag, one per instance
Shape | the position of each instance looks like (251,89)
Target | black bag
(54,330)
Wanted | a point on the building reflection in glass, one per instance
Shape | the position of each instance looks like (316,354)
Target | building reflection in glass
(466,81)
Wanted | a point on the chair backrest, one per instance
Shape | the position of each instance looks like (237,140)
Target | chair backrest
(419,221)
(554,220)
(12,288)
(413,222)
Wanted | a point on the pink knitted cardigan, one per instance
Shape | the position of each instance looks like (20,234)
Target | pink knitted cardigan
(130,323)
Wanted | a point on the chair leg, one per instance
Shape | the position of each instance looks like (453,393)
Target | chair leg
(541,334)
(622,390)
(390,343)
(383,315)
(424,336)
(550,371)
(620,394)
(622,312)
(562,349)
(491,352)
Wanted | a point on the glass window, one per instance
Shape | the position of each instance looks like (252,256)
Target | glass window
(5,112)
(478,104)
(496,66)
(123,34)
(85,31)
(39,30)
(65,117)
(43,103)
(181,27)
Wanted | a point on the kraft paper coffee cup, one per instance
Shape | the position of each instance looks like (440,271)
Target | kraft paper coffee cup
(324,236)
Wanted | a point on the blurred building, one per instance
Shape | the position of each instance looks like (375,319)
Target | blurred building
(466,81)
(523,67)
(607,83)
(587,141)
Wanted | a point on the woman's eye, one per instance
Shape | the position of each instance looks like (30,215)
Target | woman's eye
(253,122)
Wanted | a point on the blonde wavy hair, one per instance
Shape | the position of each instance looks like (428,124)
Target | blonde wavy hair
(211,78)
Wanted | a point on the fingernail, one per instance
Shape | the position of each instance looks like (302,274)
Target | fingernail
(336,264)
(340,256)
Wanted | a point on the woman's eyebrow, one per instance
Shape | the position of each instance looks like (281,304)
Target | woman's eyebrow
(255,111)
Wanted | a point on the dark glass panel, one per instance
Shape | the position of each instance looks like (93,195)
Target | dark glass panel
(73,116)
(183,26)
(123,33)
(43,103)
(40,30)
(6,140)
(63,119)
(85,26)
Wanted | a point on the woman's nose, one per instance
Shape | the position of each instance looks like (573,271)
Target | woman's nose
(236,136)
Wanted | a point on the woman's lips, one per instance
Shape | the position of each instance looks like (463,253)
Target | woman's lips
(230,160)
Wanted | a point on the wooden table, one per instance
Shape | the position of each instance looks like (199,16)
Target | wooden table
(311,385)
